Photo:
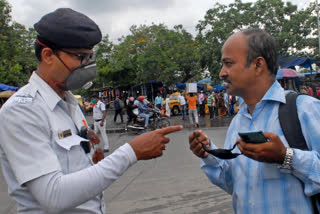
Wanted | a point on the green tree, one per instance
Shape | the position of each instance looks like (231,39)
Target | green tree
(17,59)
(293,29)
(151,53)
(115,67)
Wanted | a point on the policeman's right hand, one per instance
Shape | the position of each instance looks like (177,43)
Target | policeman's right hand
(151,144)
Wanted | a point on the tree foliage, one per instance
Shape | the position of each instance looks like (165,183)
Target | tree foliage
(152,53)
(293,29)
(17,59)
(169,55)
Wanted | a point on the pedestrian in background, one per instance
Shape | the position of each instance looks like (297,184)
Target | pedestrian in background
(232,101)
(130,107)
(183,105)
(168,111)
(215,107)
(144,110)
(117,109)
(158,101)
(211,104)
(310,91)
(201,100)
(99,118)
(226,102)
(193,114)
(318,92)
(221,102)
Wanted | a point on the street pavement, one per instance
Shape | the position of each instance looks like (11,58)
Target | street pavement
(173,183)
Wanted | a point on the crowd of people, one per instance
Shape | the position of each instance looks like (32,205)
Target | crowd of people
(219,104)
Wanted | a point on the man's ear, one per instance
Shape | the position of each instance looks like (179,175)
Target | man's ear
(47,56)
(260,65)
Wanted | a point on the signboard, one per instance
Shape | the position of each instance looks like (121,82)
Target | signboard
(192,87)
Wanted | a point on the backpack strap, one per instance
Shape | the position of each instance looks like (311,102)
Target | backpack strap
(290,123)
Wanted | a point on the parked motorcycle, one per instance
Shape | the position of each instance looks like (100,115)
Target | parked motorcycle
(156,121)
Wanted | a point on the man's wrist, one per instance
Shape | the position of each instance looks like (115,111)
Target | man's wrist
(287,163)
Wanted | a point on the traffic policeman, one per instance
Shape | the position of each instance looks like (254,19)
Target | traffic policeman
(44,163)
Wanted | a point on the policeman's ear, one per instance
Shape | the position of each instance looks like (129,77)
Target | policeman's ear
(47,56)
(260,65)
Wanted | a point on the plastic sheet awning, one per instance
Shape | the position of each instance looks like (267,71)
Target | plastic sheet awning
(291,61)
(4,87)
(181,85)
(205,80)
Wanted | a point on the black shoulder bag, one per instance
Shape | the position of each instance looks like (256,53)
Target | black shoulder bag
(291,128)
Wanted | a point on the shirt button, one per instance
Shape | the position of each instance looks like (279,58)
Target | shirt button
(251,175)
(250,202)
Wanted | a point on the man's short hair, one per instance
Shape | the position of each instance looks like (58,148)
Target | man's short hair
(260,43)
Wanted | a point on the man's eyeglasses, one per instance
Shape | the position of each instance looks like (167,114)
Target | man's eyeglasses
(83,57)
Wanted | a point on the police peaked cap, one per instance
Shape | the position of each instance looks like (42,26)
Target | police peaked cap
(66,28)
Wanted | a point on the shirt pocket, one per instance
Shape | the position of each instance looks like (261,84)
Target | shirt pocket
(271,171)
(70,141)
(71,155)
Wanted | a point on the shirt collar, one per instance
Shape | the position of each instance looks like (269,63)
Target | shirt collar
(274,93)
(47,93)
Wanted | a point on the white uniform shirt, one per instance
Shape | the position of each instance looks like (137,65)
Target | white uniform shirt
(98,110)
(181,100)
(30,146)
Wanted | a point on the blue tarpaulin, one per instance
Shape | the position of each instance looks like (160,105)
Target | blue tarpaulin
(181,85)
(200,86)
(4,87)
(205,80)
(291,61)
(220,88)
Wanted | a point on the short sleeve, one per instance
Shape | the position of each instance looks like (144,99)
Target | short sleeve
(102,106)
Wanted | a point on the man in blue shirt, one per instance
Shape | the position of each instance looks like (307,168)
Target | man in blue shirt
(158,101)
(270,177)
(143,111)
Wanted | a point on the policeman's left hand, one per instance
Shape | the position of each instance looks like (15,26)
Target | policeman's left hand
(93,137)
(101,123)
(272,151)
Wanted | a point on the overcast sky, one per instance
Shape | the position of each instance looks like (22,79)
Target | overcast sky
(116,16)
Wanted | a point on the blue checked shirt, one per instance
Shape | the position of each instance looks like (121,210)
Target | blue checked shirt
(258,187)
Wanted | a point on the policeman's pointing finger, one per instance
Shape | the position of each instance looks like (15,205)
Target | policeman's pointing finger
(169,129)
